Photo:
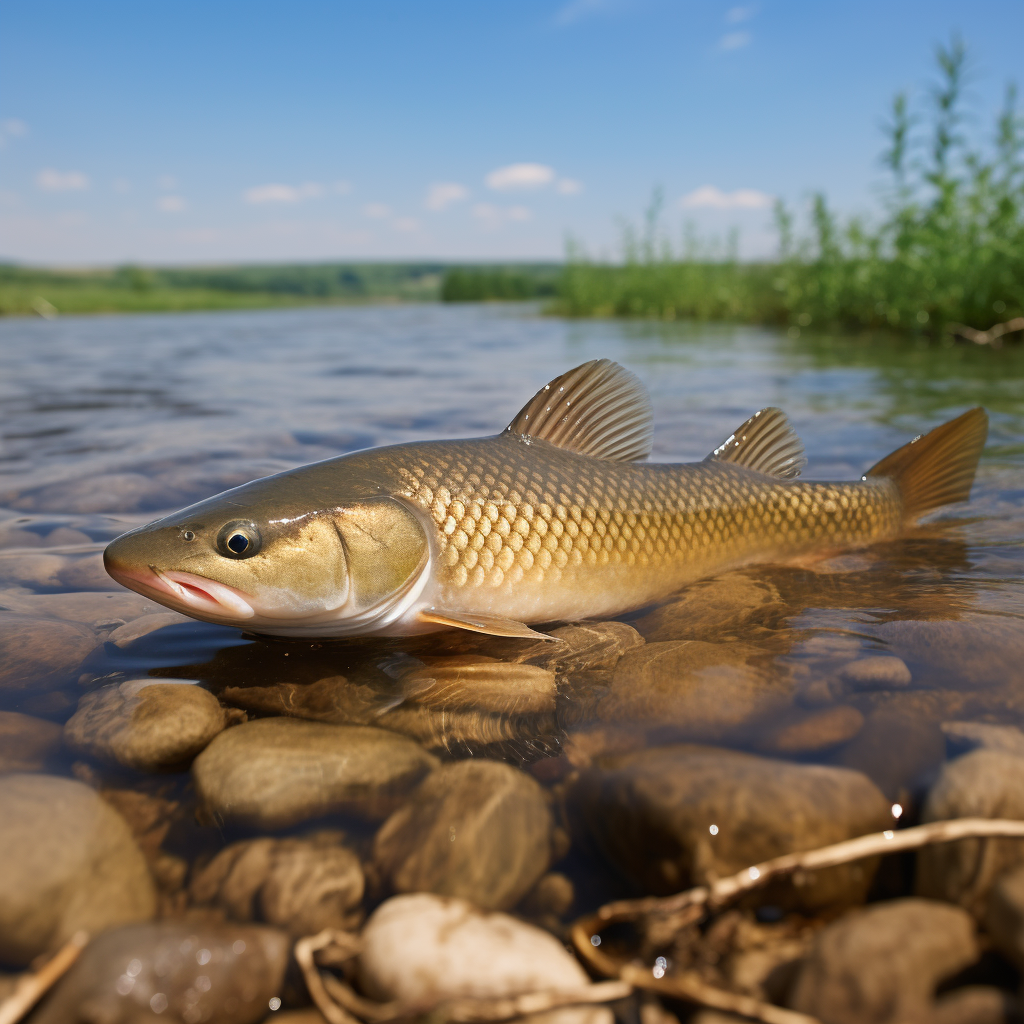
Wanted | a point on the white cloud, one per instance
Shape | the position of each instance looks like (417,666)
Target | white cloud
(406,224)
(259,195)
(444,193)
(378,211)
(569,186)
(709,197)
(171,204)
(734,40)
(737,14)
(520,176)
(494,216)
(11,128)
(50,180)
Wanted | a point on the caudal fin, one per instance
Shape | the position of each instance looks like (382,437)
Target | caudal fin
(937,468)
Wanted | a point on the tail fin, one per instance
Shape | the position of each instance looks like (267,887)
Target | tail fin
(937,468)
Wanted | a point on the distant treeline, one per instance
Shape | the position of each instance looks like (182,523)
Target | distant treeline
(507,283)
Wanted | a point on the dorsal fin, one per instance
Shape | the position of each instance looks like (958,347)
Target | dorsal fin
(766,443)
(598,409)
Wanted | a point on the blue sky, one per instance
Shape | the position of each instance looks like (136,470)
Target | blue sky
(225,131)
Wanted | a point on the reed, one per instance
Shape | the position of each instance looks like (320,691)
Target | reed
(946,248)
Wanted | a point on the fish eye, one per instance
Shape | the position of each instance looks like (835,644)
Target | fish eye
(188,535)
(239,540)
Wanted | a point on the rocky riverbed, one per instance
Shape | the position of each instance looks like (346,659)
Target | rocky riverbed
(197,804)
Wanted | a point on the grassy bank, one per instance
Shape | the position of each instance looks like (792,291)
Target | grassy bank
(946,249)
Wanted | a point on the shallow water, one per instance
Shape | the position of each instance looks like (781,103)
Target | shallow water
(107,423)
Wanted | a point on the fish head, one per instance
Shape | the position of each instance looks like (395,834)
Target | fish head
(346,568)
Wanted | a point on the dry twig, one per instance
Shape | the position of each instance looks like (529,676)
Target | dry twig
(992,336)
(31,987)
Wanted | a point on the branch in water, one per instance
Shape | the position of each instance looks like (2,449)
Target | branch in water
(30,988)
(990,337)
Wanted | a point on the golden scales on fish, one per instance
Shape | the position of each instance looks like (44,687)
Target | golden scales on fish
(558,517)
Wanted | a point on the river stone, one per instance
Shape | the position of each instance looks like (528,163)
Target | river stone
(423,948)
(475,683)
(651,814)
(26,743)
(876,672)
(300,885)
(465,731)
(812,732)
(882,964)
(330,699)
(581,646)
(982,784)
(143,625)
(32,570)
(711,608)
(1004,915)
(962,737)
(41,654)
(171,971)
(87,607)
(276,772)
(705,691)
(149,725)
(69,864)
(87,573)
(477,829)
(977,1004)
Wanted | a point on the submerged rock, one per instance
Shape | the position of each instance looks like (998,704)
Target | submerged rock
(333,699)
(39,654)
(468,731)
(982,784)
(817,730)
(174,972)
(143,625)
(677,816)
(962,737)
(1004,915)
(876,672)
(425,948)
(87,607)
(69,864)
(882,964)
(477,829)
(277,772)
(27,743)
(473,683)
(149,725)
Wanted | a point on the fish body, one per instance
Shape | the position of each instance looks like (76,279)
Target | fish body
(556,518)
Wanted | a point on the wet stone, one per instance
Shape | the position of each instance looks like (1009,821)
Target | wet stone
(963,737)
(145,724)
(468,682)
(174,972)
(1004,915)
(711,608)
(299,885)
(812,732)
(982,784)
(583,646)
(36,570)
(27,744)
(882,964)
(88,607)
(87,573)
(977,1004)
(424,948)
(330,699)
(276,772)
(477,829)
(40,654)
(69,864)
(877,672)
(144,625)
(677,816)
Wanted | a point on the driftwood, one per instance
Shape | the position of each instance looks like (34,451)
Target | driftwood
(31,987)
(993,336)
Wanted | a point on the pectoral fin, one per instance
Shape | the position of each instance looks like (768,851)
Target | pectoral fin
(496,625)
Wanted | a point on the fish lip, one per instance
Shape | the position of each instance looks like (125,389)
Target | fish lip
(191,593)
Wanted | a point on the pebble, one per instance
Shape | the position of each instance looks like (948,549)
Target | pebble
(276,772)
(963,737)
(476,829)
(882,964)
(143,625)
(27,744)
(149,725)
(982,784)
(69,864)
(813,732)
(552,896)
(422,948)
(86,572)
(876,672)
(677,816)
(704,691)
(465,731)
(468,682)
(41,654)
(582,646)
(711,608)
(299,885)
(330,699)
(32,570)
(172,971)
(87,607)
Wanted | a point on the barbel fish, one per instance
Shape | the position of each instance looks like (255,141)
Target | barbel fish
(558,517)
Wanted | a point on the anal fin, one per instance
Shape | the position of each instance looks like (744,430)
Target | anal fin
(496,625)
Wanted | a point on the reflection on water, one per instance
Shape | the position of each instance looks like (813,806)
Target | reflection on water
(856,661)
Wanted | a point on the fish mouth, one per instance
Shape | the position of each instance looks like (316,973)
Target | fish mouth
(195,595)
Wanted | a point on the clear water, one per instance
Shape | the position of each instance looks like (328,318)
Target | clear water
(109,422)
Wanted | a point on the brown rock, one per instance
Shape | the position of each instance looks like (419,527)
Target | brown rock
(876,672)
(582,646)
(464,731)
(977,1004)
(474,683)
(174,972)
(26,743)
(982,784)
(711,608)
(330,699)
(963,737)
(818,730)
(87,573)
(40,654)
(677,816)
(477,829)
(277,772)
(882,964)
(1004,917)
(87,607)
(145,724)
(69,864)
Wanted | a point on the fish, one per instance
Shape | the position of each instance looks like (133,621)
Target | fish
(559,517)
